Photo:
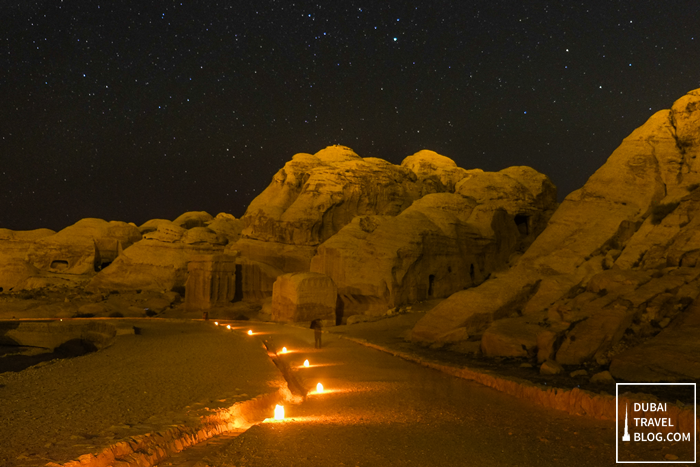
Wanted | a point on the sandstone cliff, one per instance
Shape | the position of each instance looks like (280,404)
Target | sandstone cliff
(389,235)
(615,265)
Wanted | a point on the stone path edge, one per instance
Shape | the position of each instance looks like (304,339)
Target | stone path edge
(573,401)
(149,449)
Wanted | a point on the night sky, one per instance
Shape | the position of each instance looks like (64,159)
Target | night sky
(133,110)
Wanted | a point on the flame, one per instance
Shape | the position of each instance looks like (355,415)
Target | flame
(279,412)
(306,363)
(319,388)
(250,332)
(228,326)
(284,349)
(216,323)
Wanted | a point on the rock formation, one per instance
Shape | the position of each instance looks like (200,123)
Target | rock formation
(615,264)
(304,297)
(389,235)
(211,281)
(84,247)
(14,245)
(159,261)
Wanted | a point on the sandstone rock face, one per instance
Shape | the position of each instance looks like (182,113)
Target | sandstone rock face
(255,280)
(673,355)
(83,247)
(615,265)
(211,281)
(190,220)
(437,173)
(14,272)
(286,258)
(152,264)
(14,246)
(303,297)
(442,243)
(387,234)
(227,226)
(314,196)
(510,337)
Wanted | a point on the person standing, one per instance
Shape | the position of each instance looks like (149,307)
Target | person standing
(317,326)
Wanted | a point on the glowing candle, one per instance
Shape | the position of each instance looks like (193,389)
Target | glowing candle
(279,412)
(306,363)
(228,326)
(319,387)
(284,349)
(250,332)
(216,323)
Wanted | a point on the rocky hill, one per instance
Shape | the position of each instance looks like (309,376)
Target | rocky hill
(612,280)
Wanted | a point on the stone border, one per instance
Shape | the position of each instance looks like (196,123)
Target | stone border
(150,449)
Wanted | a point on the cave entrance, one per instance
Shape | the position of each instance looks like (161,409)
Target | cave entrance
(431,281)
(521,221)
(59,265)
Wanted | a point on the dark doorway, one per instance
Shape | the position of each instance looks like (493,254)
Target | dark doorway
(471,273)
(521,221)
(339,309)
(431,280)
(238,294)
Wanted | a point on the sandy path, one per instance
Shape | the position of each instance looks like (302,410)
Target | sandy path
(168,374)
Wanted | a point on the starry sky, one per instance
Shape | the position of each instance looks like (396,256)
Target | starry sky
(132,110)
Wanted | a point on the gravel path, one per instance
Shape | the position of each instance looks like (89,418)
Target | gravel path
(169,373)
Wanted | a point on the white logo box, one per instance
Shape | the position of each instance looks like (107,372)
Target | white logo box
(617,423)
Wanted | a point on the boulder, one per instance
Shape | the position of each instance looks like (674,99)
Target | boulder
(603,377)
(672,356)
(304,297)
(594,334)
(475,308)
(550,367)
(510,337)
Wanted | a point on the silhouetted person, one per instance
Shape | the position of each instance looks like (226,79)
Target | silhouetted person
(316,325)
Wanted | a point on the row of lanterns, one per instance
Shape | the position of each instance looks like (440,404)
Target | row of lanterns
(279,409)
